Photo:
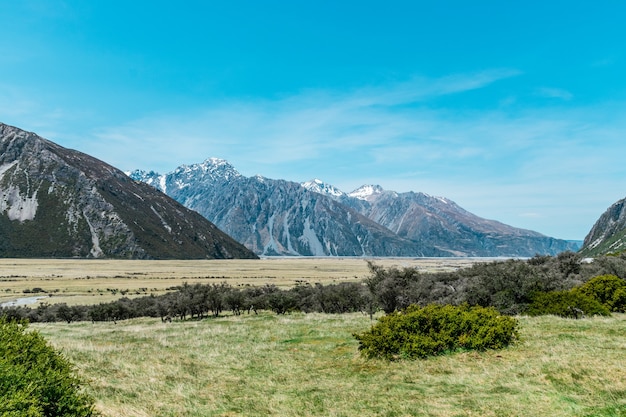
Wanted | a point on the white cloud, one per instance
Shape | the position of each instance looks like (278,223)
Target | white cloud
(497,163)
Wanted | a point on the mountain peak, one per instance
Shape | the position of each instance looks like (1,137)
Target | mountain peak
(319,186)
(211,169)
(365,192)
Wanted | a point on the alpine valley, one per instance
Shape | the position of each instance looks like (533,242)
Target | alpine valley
(284,218)
(56,202)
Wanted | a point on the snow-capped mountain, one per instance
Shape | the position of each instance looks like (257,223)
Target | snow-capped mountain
(321,187)
(366,192)
(278,217)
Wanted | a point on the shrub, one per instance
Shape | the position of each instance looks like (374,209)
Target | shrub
(609,290)
(566,304)
(419,332)
(35,380)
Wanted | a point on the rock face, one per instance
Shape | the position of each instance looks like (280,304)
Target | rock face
(56,202)
(277,217)
(608,234)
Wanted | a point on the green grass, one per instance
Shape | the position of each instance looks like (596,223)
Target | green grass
(309,365)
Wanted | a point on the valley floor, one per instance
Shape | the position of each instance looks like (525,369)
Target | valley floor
(92,281)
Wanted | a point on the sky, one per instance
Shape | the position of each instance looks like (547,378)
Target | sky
(514,110)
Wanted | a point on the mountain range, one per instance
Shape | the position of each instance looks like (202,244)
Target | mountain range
(279,217)
(57,202)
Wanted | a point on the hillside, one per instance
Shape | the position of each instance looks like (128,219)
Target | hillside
(57,202)
(608,234)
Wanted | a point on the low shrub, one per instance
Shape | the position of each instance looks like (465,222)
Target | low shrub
(419,332)
(35,380)
(571,304)
(609,290)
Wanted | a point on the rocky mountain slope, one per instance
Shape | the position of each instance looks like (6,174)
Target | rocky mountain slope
(277,217)
(56,202)
(608,234)
(448,226)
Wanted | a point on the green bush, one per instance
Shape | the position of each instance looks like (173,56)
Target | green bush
(419,332)
(572,304)
(35,380)
(609,290)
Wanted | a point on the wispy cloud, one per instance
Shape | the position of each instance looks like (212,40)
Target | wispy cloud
(548,92)
(491,161)
(302,126)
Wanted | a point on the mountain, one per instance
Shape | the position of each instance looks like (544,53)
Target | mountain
(57,202)
(279,217)
(608,234)
(447,226)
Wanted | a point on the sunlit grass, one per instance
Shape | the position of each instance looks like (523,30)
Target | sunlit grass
(308,365)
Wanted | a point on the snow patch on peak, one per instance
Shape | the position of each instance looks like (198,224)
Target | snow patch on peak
(319,186)
(366,191)
(213,163)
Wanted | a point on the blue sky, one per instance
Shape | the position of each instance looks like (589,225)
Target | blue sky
(515,110)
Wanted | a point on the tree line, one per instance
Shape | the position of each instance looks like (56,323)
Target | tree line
(510,286)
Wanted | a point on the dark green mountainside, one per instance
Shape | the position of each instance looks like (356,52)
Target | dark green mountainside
(57,202)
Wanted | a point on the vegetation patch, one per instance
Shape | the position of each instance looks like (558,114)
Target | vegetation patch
(570,304)
(35,380)
(419,332)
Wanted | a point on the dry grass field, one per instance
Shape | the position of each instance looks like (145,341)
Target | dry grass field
(308,365)
(75,281)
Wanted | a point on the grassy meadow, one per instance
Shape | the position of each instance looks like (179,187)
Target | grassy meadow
(309,365)
(92,281)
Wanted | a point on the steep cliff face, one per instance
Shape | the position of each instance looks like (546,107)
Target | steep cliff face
(608,234)
(56,202)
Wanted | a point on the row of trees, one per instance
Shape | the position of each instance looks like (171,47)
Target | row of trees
(509,286)
(200,300)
